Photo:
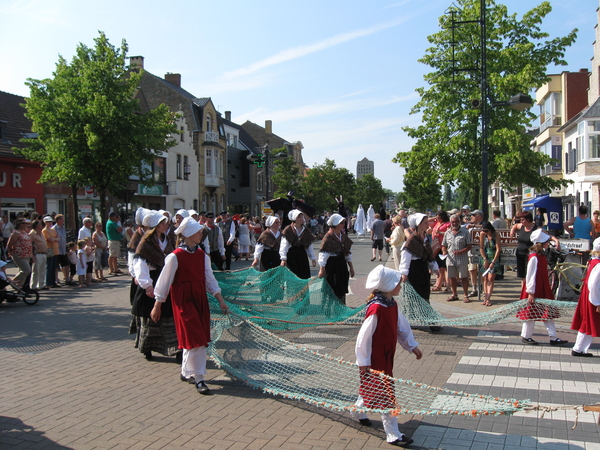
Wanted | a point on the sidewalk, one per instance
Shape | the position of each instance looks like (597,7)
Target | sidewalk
(72,380)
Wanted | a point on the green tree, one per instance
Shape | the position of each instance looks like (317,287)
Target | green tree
(448,139)
(422,191)
(324,183)
(286,175)
(90,128)
(369,191)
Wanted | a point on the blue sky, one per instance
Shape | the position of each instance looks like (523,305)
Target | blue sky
(339,76)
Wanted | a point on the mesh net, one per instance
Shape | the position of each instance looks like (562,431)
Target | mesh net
(278,300)
(264,361)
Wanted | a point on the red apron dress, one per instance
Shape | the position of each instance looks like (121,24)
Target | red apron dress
(586,320)
(539,311)
(189,301)
(378,393)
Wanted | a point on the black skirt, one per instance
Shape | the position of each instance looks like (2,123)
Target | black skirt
(419,277)
(338,275)
(269,259)
(297,262)
(142,304)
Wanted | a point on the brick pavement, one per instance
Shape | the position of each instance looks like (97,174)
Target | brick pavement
(72,380)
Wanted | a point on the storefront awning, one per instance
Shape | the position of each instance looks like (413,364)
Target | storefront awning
(553,207)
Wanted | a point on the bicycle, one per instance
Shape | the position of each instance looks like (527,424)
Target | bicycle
(560,270)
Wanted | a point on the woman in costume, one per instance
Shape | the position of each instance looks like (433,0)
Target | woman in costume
(187,277)
(335,257)
(383,328)
(417,259)
(266,251)
(587,315)
(148,262)
(296,246)
(537,285)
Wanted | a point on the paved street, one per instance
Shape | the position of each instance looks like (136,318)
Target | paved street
(71,379)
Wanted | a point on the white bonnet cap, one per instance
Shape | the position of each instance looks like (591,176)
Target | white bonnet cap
(188,227)
(335,220)
(383,279)
(293,214)
(192,212)
(539,236)
(139,215)
(271,220)
(183,213)
(415,219)
(153,218)
(596,245)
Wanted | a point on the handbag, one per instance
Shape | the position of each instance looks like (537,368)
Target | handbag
(49,252)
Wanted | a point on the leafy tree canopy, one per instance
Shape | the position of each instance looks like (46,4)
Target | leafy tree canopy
(286,175)
(91,129)
(369,191)
(324,183)
(448,140)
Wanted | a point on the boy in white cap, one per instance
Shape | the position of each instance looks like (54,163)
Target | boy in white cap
(537,285)
(587,315)
(384,325)
(187,276)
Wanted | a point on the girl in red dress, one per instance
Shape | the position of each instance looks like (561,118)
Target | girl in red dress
(587,315)
(537,285)
(187,274)
(384,326)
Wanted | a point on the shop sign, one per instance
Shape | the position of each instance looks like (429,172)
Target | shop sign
(580,245)
(16,180)
(85,209)
(266,209)
(147,190)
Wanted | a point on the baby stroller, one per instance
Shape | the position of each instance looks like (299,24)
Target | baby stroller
(29,297)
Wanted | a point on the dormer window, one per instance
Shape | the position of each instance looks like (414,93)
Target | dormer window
(3,137)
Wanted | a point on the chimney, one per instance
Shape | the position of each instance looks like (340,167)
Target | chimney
(228,115)
(174,79)
(269,126)
(136,62)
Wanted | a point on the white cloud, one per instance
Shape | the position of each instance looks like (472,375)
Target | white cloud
(303,50)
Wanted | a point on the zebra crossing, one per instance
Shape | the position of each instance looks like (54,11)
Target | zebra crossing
(500,365)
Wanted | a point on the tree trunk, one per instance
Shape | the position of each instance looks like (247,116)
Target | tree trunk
(74,190)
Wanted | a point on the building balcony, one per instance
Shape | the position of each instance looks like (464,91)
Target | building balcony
(212,181)
(589,168)
(211,136)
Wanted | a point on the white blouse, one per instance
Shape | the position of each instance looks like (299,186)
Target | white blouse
(165,280)
(285,246)
(364,341)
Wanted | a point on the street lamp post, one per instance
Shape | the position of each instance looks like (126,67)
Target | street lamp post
(263,157)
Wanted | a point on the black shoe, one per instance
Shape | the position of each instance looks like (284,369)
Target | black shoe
(529,341)
(404,442)
(148,356)
(365,422)
(202,388)
(574,353)
(558,342)
(190,380)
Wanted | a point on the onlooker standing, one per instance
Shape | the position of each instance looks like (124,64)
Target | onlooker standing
(489,248)
(498,222)
(101,244)
(581,227)
(215,241)
(437,235)
(397,240)
(455,245)
(62,260)
(244,239)
(377,236)
(85,232)
(38,278)
(52,239)
(7,230)
(228,229)
(596,221)
(20,249)
(113,233)
(476,223)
